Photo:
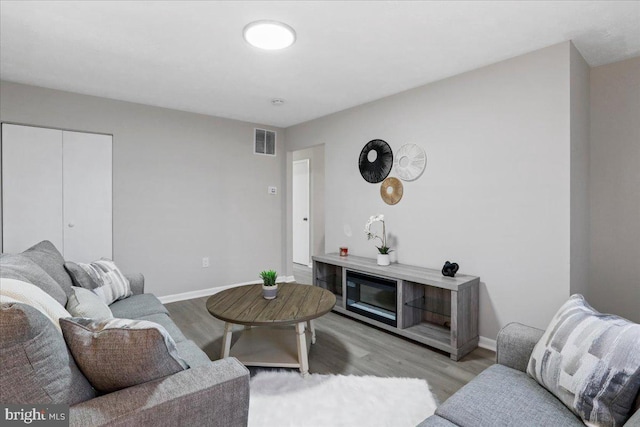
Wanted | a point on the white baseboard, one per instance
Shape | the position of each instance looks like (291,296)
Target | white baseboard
(210,291)
(487,343)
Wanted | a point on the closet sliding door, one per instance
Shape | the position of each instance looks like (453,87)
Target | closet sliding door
(87,196)
(57,186)
(31,187)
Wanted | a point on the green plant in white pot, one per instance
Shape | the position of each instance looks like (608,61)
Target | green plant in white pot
(269,285)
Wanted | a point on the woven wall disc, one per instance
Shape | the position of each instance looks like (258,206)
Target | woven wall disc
(376,160)
(391,190)
(410,161)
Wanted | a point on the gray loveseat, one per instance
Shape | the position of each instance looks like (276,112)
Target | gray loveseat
(504,395)
(207,394)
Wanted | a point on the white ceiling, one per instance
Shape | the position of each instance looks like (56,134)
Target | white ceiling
(190,55)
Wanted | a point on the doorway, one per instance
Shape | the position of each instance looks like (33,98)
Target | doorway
(300,214)
(313,163)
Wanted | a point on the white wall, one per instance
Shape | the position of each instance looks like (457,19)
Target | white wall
(614,281)
(185,186)
(495,196)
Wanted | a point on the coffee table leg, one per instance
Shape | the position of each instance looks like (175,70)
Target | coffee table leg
(226,340)
(312,328)
(303,358)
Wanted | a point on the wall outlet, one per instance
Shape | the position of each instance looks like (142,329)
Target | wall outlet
(272,190)
(205,262)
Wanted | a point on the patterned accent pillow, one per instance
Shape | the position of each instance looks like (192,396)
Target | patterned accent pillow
(590,361)
(117,353)
(84,303)
(102,277)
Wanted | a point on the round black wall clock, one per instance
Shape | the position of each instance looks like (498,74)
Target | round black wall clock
(376,160)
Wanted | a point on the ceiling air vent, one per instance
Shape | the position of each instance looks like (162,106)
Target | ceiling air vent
(264,142)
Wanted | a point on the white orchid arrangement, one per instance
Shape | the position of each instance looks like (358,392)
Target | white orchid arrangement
(383,248)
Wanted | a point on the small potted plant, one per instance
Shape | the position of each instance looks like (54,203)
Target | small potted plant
(269,285)
(383,249)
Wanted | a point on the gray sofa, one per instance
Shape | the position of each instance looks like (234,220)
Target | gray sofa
(504,395)
(207,394)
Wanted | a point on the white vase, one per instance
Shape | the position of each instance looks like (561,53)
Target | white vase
(383,259)
(269,292)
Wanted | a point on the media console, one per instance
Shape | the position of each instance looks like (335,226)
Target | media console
(417,303)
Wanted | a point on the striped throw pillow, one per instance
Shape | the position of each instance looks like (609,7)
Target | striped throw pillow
(102,277)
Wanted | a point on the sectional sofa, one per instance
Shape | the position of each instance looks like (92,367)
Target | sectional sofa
(504,395)
(208,393)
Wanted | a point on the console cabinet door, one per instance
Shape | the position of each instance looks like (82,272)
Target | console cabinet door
(31,187)
(57,186)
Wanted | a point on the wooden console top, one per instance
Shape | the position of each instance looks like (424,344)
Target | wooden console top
(425,276)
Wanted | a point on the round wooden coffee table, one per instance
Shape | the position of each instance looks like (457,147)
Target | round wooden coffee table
(269,343)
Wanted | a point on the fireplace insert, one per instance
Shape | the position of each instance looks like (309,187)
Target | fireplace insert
(373,297)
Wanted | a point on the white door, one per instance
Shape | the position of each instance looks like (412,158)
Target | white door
(56,185)
(300,215)
(87,196)
(31,187)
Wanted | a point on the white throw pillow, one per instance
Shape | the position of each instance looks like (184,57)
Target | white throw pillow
(84,303)
(13,290)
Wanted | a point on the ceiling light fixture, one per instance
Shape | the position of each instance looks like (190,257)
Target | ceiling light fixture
(269,35)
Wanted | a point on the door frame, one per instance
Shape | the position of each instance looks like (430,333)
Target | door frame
(309,215)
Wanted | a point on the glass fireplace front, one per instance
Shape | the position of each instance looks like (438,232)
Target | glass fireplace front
(373,297)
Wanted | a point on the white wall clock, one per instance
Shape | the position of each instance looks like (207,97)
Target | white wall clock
(410,161)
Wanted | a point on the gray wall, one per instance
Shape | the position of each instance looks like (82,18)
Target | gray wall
(185,186)
(503,193)
(495,196)
(614,285)
(580,129)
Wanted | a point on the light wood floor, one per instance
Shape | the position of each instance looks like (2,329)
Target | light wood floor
(346,346)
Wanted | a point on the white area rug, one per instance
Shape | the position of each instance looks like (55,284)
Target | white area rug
(285,399)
